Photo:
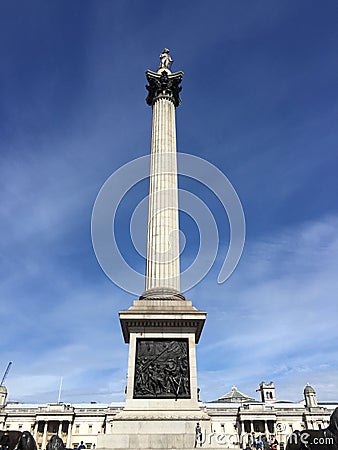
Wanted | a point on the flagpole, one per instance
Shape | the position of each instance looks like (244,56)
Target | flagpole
(59,398)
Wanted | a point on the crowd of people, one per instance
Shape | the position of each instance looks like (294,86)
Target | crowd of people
(262,442)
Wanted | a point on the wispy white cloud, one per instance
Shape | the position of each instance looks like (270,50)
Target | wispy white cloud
(278,314)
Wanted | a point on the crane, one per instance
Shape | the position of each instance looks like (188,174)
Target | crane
(6,373)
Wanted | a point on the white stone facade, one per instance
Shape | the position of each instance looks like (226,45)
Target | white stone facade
(229,425)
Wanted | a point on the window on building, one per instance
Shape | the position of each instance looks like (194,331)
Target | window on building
(77,429)
(8,427)
(53,427)
(259,426)
(64,427)
(247,426)
(90,430)
(40,427)
(88,445)
(20,426)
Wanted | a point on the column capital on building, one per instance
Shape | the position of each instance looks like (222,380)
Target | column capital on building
(163,84)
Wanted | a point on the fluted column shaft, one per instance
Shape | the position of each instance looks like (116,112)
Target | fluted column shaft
(163,264)
(163,259)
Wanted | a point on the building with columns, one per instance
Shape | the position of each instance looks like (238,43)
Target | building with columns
(234,415)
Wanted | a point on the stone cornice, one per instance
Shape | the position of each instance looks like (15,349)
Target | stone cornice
(166,315)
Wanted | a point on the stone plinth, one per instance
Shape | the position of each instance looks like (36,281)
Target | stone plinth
(161,409)
(171,323)
(156,432)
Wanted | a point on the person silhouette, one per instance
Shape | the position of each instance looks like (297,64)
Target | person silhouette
(198,435)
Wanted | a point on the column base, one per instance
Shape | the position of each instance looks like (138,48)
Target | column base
(162,294)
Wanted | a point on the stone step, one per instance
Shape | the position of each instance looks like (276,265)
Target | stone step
(204,446)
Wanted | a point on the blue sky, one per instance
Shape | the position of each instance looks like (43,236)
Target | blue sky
(259,101)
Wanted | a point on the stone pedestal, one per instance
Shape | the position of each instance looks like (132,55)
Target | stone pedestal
(162,357)
(161,409)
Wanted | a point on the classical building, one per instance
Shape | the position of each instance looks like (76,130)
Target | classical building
(233,417)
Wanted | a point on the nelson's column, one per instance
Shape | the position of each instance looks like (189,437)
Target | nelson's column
(162,328)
